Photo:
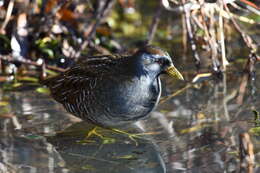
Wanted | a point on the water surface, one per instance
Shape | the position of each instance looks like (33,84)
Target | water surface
(195,131)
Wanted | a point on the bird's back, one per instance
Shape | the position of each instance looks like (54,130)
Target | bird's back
(84,75)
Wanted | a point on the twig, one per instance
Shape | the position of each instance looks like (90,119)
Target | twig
(8,15)
(194,5)
(247,39)
(166,98)
(251,4)
(99,15)
(222,38)
(250,68)
(191,37)
(154,25)
(225,99)
(213,43)
(246,152)
(210,35)
(184,35)
(17,125)
(9,59)
(43,71)
(251,60)
(242,89)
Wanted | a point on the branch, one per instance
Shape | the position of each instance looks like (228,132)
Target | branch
(154,25)
(247,39)
(92,27)
(8,58)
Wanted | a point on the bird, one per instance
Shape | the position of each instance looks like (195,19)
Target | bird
(113,90)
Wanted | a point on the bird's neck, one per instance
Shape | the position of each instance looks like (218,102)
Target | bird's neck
(134,67)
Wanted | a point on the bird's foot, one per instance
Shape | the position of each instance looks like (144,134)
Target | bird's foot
(94,132)
(97,131)
(133,136)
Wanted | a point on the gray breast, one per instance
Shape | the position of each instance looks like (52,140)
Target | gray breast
(126,101)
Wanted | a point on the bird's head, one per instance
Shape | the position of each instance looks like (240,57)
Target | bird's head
(156,61)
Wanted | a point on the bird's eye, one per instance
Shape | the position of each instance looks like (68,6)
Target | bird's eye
(161,62)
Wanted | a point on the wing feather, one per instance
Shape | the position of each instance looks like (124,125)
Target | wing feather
(75,86)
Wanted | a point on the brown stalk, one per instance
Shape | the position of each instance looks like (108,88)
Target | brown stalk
(191,36)
(246,152)
(222,38)
(154,25)
(8,16)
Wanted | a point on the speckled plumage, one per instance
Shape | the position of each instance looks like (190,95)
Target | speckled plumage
(108,90)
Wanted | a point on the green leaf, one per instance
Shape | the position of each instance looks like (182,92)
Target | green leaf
(28,79)
(52,73)
(255,131)
(5,38)
(4,103)
(108,140)
(128,157)
(88,167)
(17,84)
(43,90)
(194,128)
(48,51)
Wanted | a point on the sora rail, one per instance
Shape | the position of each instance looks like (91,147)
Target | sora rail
(112,90)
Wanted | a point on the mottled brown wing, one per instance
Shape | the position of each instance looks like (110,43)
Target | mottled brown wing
(76,84)
(66,88)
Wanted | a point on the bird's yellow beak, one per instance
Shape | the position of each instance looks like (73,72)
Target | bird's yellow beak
(173,72)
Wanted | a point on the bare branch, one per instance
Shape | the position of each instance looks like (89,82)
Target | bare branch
(8,58)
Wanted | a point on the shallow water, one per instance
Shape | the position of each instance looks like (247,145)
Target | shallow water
(196,131)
